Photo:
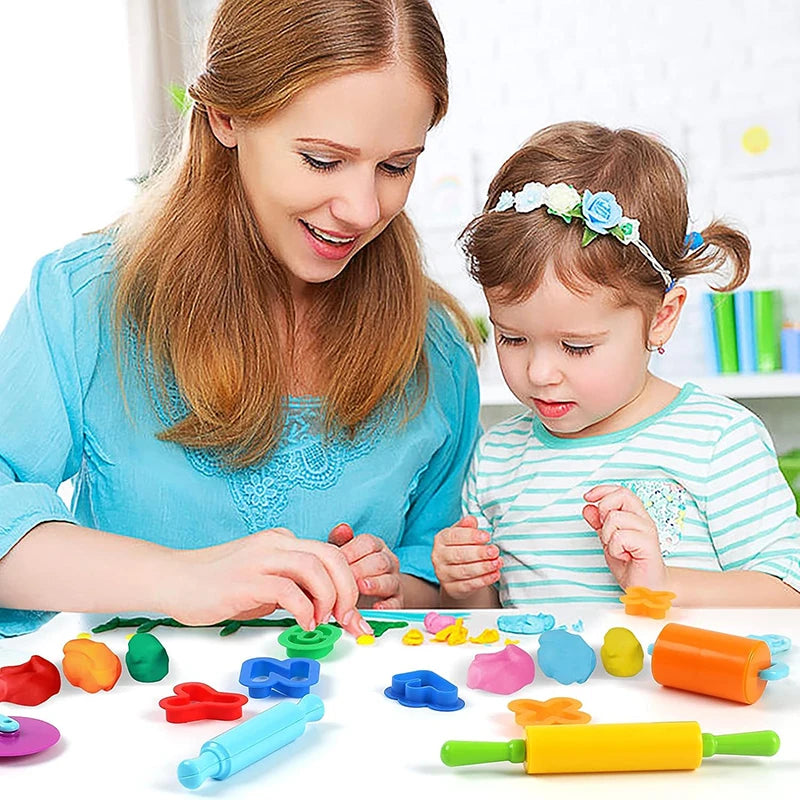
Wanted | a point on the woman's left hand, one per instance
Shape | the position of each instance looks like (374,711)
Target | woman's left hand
(628,535)
(375,567)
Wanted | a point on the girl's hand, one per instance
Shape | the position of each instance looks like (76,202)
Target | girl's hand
(628,535)
(463,560)
(375,567)
(252,576)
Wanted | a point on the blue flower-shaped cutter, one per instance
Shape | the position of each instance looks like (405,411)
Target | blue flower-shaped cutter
(422,687)
(290,677)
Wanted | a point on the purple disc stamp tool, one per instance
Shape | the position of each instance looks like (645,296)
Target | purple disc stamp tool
(24,736)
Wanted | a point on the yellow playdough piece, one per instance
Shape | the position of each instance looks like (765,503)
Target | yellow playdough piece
(413,638)
(511,641)
(453,634)
(489,636)
(366,638)
(621,653)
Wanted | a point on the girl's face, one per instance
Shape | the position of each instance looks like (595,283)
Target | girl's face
(579,362)
(327,173)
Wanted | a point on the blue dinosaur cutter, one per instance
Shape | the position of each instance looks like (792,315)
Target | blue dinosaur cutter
(424,688)
(290,677)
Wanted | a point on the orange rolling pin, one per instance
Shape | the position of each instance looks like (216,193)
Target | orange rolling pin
(717,664)
(624,747)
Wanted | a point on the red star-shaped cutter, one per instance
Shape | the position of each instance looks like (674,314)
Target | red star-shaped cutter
(643,602)
(556,711)
(193,701)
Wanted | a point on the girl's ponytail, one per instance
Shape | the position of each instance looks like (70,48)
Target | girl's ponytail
(723,247)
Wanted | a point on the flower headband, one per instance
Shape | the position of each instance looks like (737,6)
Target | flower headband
(600,213)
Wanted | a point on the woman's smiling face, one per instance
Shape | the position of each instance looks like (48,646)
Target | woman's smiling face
(327,173)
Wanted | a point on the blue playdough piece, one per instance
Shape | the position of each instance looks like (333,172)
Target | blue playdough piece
(777,644)
(526,623)
(565,657)
(578,626)
(290,677)
(424,688)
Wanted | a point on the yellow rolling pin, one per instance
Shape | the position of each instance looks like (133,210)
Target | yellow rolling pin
(623,747)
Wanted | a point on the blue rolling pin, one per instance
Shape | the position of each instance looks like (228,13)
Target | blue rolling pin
(250,741)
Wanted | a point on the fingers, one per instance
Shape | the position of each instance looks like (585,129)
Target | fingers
(462,535)
(592,516)
(341,534)
(464,588)
(609,498)
(617,521)
(288,595)
(467,522)
(374,572)
(345,590)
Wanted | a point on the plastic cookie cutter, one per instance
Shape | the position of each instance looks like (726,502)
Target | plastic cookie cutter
(640,601)
(31,683)
(314,644)
(556,711)
(713,663)
(424,688)
(777,644)
(291,677)
(24,736)
(623,747)
(193,701)
(252,740)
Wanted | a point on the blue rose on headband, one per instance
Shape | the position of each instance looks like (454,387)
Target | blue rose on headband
(601,211)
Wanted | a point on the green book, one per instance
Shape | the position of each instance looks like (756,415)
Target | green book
(767,328)
(725,327)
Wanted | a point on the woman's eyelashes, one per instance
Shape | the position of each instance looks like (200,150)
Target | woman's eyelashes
(570,349)
(324,165)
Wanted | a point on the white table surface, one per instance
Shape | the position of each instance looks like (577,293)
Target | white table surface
(118,743)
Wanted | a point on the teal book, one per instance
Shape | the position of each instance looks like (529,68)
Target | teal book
(745,334)
(725,327)
(767,325)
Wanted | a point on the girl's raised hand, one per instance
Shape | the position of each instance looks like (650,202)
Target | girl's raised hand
(252,576)
(628,535)
(375,567)
(464,560)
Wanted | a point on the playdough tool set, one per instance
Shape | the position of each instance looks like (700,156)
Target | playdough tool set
(558,736)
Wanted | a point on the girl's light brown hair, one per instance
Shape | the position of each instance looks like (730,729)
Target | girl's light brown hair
(207,304)
(510,252)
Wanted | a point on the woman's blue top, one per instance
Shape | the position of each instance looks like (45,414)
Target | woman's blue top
(63,417)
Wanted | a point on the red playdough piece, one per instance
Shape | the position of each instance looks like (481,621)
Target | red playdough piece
(193,701)
(31,683)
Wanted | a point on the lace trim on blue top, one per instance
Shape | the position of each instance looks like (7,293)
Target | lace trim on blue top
(302,458)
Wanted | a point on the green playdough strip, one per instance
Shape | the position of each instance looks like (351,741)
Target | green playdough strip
(229,626)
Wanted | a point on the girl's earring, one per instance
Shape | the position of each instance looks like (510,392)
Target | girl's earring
(660,349)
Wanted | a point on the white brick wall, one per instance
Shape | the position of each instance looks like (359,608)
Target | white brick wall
(696,73)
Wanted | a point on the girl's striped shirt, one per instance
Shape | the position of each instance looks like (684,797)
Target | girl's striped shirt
(704,467)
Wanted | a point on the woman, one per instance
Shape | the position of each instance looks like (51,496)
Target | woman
(253,354)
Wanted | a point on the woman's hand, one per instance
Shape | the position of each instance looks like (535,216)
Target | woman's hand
(375,567)
(628,535)
(252,576)
(464,560)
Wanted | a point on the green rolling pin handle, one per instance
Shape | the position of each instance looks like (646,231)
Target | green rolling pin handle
(754,743)
(459,754)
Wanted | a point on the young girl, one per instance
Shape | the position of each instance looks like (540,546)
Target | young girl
(613,477)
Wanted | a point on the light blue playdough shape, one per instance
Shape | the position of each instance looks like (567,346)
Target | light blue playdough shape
(526,623)
(777,644)
(578,626)
(565,657)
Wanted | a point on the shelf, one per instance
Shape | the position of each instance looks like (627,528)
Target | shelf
(765,384)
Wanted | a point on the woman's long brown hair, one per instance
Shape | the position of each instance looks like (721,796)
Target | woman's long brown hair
(198,289)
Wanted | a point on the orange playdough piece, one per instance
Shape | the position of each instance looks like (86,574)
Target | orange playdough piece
(90,665)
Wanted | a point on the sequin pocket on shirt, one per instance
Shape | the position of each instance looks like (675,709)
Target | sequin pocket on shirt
(665,502)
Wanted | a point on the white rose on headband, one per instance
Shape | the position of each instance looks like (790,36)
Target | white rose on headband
(530,197)
(561,199)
